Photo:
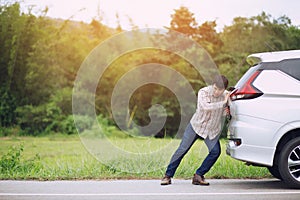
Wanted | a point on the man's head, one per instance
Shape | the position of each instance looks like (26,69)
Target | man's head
(219,85)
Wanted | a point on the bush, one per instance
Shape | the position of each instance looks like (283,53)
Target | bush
(37,119)
(7,108)
(82,123)
(47,118)
(109,129)
(63,99)
(12,159)
(12,162)
(8,131)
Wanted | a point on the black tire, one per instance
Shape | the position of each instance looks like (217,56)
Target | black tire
(275,172)
(289,163)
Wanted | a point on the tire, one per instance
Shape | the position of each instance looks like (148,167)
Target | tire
(275,172)
(289,163)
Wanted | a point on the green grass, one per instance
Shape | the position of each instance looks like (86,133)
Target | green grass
(61,157)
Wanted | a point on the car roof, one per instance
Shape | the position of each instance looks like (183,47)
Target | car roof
(274,56)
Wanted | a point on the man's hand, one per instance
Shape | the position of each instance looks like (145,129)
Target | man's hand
(226,106)
(227,95)
(227,110)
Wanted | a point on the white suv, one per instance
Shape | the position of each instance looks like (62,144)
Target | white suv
(265,107)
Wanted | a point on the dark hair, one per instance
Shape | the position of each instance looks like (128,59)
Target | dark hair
(221,81)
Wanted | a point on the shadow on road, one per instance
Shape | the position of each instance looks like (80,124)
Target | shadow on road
(261,184)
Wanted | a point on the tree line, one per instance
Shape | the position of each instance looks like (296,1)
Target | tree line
(40,57)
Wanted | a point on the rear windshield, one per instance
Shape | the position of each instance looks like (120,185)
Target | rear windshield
(246,76)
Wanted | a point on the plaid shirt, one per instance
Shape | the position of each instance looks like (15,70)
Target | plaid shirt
(207,120)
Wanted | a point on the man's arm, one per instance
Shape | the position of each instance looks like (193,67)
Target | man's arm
(206,104)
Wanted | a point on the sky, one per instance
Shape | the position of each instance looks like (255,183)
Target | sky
(157,13)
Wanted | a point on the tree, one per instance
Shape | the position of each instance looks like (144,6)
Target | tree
(255,34)
(183,21)
(12,25)
(209,38)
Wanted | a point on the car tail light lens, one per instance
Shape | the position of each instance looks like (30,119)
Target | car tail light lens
(247,91)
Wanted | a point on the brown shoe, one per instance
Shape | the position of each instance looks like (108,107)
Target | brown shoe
(199,180)
(166,180)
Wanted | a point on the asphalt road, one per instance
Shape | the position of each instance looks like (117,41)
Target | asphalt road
(266,189)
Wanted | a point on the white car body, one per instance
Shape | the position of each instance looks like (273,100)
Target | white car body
(262,124)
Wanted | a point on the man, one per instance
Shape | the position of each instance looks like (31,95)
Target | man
(205,124)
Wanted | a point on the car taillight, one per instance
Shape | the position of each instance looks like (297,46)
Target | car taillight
(247,91)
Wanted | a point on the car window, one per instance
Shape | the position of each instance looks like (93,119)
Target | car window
(291,67)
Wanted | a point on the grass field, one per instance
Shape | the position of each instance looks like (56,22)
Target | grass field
(58,157)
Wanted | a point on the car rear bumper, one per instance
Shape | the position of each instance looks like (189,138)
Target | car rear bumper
(251,154)
(252,140)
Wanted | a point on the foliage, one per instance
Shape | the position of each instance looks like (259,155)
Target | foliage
(108,129)
(183,21)
(82,123)
(63,157)
(40,57)
(37,119)
(12,163)
(9,131)
(104,127)
(47,118)
(7,108)
(260,33)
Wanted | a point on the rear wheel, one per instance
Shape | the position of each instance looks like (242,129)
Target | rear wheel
(275,172)
(289,163)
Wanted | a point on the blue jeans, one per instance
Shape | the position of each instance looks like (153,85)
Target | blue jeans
(188,139)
